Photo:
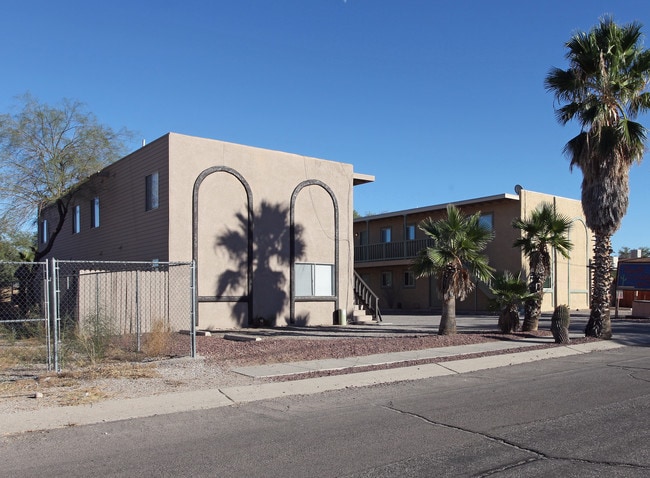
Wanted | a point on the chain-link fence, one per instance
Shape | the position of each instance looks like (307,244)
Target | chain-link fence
(99,310)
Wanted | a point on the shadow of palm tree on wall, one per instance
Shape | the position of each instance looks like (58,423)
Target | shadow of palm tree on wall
(271,260)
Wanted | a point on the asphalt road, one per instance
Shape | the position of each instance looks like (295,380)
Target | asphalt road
(583,415)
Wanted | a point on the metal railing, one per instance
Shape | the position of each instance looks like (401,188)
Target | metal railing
(386,251)
(366,298)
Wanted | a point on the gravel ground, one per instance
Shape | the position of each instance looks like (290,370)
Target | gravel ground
(212,369)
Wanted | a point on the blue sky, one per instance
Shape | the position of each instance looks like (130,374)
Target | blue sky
(440,100)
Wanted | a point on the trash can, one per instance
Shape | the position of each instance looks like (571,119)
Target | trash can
(341,318)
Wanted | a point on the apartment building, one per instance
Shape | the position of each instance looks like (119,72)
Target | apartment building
(270,232)
(386,244)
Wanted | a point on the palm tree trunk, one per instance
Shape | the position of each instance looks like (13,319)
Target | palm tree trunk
(533,307)
(448,318)
(532,311)
(509,320)
(600,324)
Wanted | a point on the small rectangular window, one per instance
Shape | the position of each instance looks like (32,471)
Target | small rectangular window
(410,232)
(487,221)
(76,220)
(94,213)
(409,279)
(385,233)
(44,236)
(314,280)
(387,279)
(151,186)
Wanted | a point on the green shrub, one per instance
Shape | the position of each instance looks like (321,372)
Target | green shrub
(93,336)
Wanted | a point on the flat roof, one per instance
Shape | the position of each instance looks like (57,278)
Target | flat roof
(437,207)
(358,178)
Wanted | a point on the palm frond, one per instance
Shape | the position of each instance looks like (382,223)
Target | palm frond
(456,254)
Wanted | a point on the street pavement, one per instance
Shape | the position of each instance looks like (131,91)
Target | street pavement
(627,333)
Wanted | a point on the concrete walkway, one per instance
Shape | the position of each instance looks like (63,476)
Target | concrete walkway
(393,358)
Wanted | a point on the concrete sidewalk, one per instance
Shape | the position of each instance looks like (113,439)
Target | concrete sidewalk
(114,410)
(393,358)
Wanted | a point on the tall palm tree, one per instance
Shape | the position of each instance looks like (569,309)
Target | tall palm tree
(545,230)
(604,90)
(454,257)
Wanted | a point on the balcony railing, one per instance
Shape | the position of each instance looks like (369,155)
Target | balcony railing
(387,251)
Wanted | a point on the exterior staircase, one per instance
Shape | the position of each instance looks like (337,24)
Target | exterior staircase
(366,303)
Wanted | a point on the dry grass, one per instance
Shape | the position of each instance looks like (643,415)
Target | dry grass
(76,386)
(26,352)
(157,342)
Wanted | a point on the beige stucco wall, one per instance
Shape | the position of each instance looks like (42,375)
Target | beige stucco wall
(273,176)
(127,232)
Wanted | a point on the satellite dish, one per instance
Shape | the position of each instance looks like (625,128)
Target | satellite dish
(518,188)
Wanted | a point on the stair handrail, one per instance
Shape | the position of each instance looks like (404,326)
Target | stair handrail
(368,298)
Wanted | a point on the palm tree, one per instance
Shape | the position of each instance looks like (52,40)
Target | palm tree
(604,89)
(510,292)
(544,231)
(454,257)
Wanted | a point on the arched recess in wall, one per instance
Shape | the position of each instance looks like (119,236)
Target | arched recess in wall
(235,240)
(299,235)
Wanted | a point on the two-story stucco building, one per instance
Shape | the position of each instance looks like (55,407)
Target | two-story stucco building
(385,245)
(271,232)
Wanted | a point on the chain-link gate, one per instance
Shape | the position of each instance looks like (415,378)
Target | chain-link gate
(123,307)
(25,331)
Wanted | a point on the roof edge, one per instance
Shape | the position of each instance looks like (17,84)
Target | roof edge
(437,207)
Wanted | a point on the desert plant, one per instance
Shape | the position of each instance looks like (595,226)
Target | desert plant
(455,257)
(544,231)
(510,292)
(158,341)
(93,336)
(560,324)
(604,89)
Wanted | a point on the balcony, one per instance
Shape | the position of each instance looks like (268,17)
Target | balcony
(389,251)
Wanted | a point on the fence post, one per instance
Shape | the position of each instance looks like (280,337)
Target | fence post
(54,309)
(194,308)
(45,298)
(138,326)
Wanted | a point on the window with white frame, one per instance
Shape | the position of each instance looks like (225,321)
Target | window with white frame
(94,212)
(151,187)
(314,280)
(410,232)
(44,233)
(76,219)
(385,234)
(409,279)
(387,279)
